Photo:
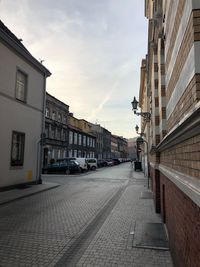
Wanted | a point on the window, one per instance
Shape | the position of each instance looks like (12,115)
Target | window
(70,153)
(71,137)
(17,150)
(79,154)
(88,141)
(47,130)
(84,140)
(47,112)
(64,119)
(53,132)
(75,138)
(59,117)
(79,139)
(21,86)
(53,115)
(64,134)
(59,154)
(58,134)
(75,153)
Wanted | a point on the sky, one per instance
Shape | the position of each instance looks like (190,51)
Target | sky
(93,48)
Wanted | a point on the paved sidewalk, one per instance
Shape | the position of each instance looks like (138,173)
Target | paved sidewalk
(113,244)
(14,194)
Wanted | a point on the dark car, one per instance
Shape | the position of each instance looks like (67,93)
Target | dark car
(101,163)
(116,161)
(66,167)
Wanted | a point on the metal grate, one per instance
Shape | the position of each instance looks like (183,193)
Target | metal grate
(150,235)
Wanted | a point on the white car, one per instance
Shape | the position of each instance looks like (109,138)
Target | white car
(92,162)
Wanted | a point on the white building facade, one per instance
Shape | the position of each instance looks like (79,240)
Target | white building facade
(22,104)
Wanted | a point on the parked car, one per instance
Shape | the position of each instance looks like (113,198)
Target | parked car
(65,167)
(82,162)
(101,163)
(92,163)
(109,162)
(116,161)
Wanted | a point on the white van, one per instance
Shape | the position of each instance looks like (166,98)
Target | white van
(92,162)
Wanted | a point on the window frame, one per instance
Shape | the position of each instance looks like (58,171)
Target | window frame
(53,115)
(24,100)
(17,162)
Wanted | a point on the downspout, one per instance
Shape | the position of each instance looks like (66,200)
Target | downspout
(42,137)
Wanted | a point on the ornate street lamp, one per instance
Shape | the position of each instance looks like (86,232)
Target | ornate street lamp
(145,115)
(137,129)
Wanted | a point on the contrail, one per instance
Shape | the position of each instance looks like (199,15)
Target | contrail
(103,102)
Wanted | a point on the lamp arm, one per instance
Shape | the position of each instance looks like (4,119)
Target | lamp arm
(146,115)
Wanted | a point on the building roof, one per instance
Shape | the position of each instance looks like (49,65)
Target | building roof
(12,41)
(53,98)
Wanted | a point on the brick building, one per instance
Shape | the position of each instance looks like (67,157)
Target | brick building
(171,94)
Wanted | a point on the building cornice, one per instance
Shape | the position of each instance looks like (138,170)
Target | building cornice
(187,184)
(188,127)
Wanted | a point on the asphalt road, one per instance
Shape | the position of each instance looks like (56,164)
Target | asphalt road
(56,226)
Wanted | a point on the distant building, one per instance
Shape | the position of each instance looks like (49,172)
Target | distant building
(122,146)
(22,103)
(82,142)
(56,129)
(132,151)
(97,131)
(106,144)
(114,147)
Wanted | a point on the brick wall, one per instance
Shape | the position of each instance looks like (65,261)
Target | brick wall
(182,218)
(155,185)
(177,22)
(192,92)
(184,50)
(184,157)
(189,98)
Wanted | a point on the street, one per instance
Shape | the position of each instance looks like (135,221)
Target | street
(56,227)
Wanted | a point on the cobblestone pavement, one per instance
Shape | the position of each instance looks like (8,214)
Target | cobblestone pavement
(89,217)
(112,245)
(36,230)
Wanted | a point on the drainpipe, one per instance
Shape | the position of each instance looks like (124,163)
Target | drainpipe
(42,137)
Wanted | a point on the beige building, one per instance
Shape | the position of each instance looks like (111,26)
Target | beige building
(82,143)
(171,94)
(132,151)
(22,100)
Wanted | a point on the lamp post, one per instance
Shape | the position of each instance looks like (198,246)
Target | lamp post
(145,115)
(137,129)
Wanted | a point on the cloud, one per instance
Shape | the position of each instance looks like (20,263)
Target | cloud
(93,50)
